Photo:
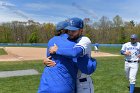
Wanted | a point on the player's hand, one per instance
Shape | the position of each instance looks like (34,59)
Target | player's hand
(53,49)
(48,62)
(128,53)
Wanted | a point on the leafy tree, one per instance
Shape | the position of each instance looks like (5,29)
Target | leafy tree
(117,21)
(33,38)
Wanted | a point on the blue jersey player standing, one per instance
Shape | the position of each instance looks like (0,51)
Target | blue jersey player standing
(131,51)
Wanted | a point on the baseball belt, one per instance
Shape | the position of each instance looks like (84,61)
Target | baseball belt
(82,79)
(131,61)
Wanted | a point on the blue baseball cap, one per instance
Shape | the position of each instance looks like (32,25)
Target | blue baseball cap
(61,25)
(134,36)
(75,24)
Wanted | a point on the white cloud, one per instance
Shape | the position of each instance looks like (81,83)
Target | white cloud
(9,17)
(53,7)
(55,12)
(9,12)
(42,6)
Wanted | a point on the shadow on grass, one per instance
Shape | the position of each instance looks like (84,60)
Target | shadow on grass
(137,90)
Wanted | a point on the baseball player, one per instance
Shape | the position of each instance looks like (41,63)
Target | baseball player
(82,48)
(96,47)
(131,51)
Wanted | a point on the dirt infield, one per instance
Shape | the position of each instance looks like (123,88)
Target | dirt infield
(30,53)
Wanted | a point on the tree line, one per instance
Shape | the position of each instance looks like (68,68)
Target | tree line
(105,31)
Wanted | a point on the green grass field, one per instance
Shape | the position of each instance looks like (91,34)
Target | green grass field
(113,50)
(20,84)
(109,76)
(2,52)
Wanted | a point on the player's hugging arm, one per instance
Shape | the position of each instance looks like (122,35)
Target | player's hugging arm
(78,50)
(70,52)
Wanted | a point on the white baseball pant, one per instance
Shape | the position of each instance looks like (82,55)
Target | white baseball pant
(131,69)
(85,85)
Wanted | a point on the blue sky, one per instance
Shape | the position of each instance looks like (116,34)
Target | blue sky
(59,10)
